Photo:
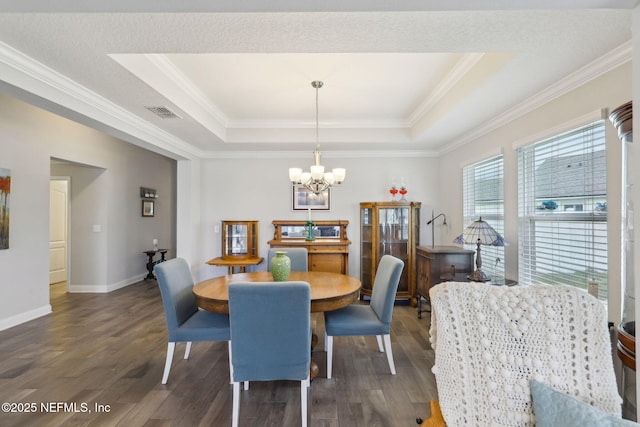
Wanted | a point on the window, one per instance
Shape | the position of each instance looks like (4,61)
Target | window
(483,187)
(563,209)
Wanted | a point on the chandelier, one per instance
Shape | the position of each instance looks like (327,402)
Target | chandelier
(317,180)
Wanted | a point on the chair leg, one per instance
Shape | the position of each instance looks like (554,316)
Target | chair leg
(167,364)
(303,401)
(379,339)
(246,383)
(328,344)
(187,350)
(236,404)
(230,364)
(387,345)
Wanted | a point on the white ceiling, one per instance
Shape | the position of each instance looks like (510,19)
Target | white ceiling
(421,77)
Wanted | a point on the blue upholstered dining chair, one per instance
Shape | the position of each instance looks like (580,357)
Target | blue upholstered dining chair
(299,258)
(372,319)
(270,336)
(186,323)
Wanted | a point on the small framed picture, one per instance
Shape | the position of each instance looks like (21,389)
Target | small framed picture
(304,199)
(148,207)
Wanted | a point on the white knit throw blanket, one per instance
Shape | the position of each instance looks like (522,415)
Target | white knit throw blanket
(490,341)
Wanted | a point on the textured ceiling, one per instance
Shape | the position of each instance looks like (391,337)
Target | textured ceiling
(415,78)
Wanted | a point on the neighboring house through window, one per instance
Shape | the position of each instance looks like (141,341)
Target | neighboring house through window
(563,209)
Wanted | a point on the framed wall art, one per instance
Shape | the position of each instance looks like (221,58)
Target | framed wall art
(304,199)
(5,190)
(148,208)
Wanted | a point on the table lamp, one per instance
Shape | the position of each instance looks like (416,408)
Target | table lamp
(480,233)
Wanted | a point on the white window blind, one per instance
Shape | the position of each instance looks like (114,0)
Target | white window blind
(483,196)
(563,209)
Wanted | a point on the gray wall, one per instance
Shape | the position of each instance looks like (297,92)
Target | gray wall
(259,189)
(105,192)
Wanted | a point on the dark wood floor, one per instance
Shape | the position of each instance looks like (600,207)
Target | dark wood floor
(107,351)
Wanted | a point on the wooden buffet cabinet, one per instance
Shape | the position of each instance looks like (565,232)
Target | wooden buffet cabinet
(329,249)
(391,228)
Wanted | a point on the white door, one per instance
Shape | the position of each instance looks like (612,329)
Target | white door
(58,230)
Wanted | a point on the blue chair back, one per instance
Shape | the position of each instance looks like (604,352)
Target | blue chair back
(270,330)
(176,286)
(385,286)
(299,258)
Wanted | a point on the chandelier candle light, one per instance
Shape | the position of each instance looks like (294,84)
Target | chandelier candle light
(317,180)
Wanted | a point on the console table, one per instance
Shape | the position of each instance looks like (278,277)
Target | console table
(151,263)
(231,264)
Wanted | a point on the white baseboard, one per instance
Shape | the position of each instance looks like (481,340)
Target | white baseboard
(103,289)
(18,319)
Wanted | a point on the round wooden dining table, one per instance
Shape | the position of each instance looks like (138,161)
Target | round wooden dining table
(329,291)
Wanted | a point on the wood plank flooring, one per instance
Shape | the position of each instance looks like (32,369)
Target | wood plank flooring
(104,353)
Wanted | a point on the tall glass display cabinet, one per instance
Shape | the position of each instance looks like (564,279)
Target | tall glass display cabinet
(622,119)
(389,228)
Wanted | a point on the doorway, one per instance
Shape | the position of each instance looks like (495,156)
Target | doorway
(58,229)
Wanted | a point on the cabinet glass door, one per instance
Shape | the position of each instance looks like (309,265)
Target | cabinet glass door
(394,238)
(394,232)
(366,248)
(237,240)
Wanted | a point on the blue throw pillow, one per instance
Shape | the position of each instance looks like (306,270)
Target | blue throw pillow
(554,408)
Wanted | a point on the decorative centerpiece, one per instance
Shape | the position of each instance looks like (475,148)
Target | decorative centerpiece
(395,190)
(280,266)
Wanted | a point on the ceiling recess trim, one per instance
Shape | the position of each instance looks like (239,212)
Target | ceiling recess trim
(600,66)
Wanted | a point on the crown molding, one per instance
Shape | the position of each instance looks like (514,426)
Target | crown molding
(34,77)
(325,154)
(173,73)
(288,124)
(461,68)
(594,69)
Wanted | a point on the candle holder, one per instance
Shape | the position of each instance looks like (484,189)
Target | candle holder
(393,192)
(403,191)
(310,237)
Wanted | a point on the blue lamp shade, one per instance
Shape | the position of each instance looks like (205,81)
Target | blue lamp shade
(480,233)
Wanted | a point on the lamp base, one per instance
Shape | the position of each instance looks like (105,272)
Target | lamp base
(478,276)
(310,236)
